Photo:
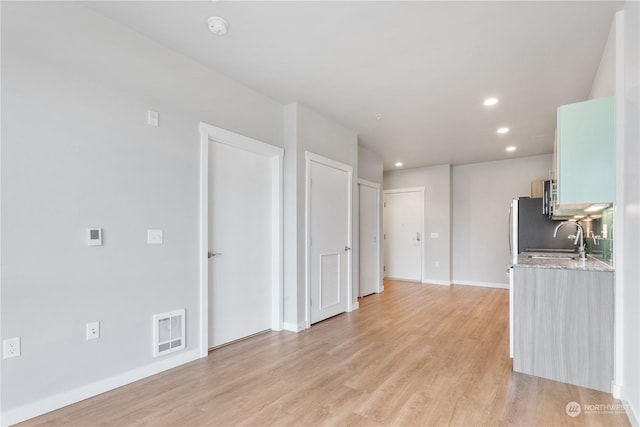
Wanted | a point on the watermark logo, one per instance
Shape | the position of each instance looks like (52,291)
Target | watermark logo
(604,408)
(573,409)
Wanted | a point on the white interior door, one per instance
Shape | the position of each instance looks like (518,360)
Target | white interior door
(240,233)
(403,234)
(369,253)
(328,239)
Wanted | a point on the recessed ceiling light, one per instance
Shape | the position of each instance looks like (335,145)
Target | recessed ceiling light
(378,116)
(490,101)
(510,148)
(217,25)
(398,164)
(503,130)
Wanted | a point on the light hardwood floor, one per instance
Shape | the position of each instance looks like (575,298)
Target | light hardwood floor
(415,355)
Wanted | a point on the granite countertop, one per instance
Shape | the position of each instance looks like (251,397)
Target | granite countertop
(550,260)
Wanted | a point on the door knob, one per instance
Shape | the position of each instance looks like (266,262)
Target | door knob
(212,254)
(347,248)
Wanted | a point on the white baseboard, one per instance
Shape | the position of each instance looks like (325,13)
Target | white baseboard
(437,282)
(57,401)
(294,327)
(353,306)
(403,280)
(617,391)
(481,284)
(631,414)
(381,289)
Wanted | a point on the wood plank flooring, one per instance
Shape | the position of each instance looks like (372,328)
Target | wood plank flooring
(415,355)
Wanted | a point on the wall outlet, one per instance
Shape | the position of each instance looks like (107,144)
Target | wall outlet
(11,348)
(93,330)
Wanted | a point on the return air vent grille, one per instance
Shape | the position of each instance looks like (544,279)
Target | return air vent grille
(168,332)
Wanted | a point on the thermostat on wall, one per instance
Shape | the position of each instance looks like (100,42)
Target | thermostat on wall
(94,236)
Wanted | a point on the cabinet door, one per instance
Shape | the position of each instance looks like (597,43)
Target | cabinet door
(563,325)
(586,152)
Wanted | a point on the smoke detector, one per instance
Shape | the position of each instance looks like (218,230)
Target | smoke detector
(217,25)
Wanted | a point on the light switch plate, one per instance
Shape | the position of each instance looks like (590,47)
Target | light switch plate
(155,237)
(153,118)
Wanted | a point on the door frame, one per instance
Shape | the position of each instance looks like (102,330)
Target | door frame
(420,190)
(379,242)
(312,157)
(208,134)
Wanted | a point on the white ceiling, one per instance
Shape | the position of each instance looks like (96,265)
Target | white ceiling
(425,66)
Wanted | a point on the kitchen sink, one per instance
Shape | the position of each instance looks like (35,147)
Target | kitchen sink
(552,256)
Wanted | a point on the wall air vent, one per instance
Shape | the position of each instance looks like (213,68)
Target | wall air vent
(168,332)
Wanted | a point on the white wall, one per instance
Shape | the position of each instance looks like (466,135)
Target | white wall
(294,218)
(482,193)
(619,74)
(629,187)
(605,79)
(468,205)
(76,152)
(437,216)
(611,83)
(369,165)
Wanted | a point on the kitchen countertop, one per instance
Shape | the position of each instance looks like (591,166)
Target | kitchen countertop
(525,259)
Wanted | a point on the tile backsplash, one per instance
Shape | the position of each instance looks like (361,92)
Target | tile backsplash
(603,230)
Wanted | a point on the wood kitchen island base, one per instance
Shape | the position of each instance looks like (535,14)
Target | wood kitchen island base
(563,325)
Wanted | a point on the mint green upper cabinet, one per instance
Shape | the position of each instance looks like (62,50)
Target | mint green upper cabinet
(586,152)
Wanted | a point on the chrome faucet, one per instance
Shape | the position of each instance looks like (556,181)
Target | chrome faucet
(578,237)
